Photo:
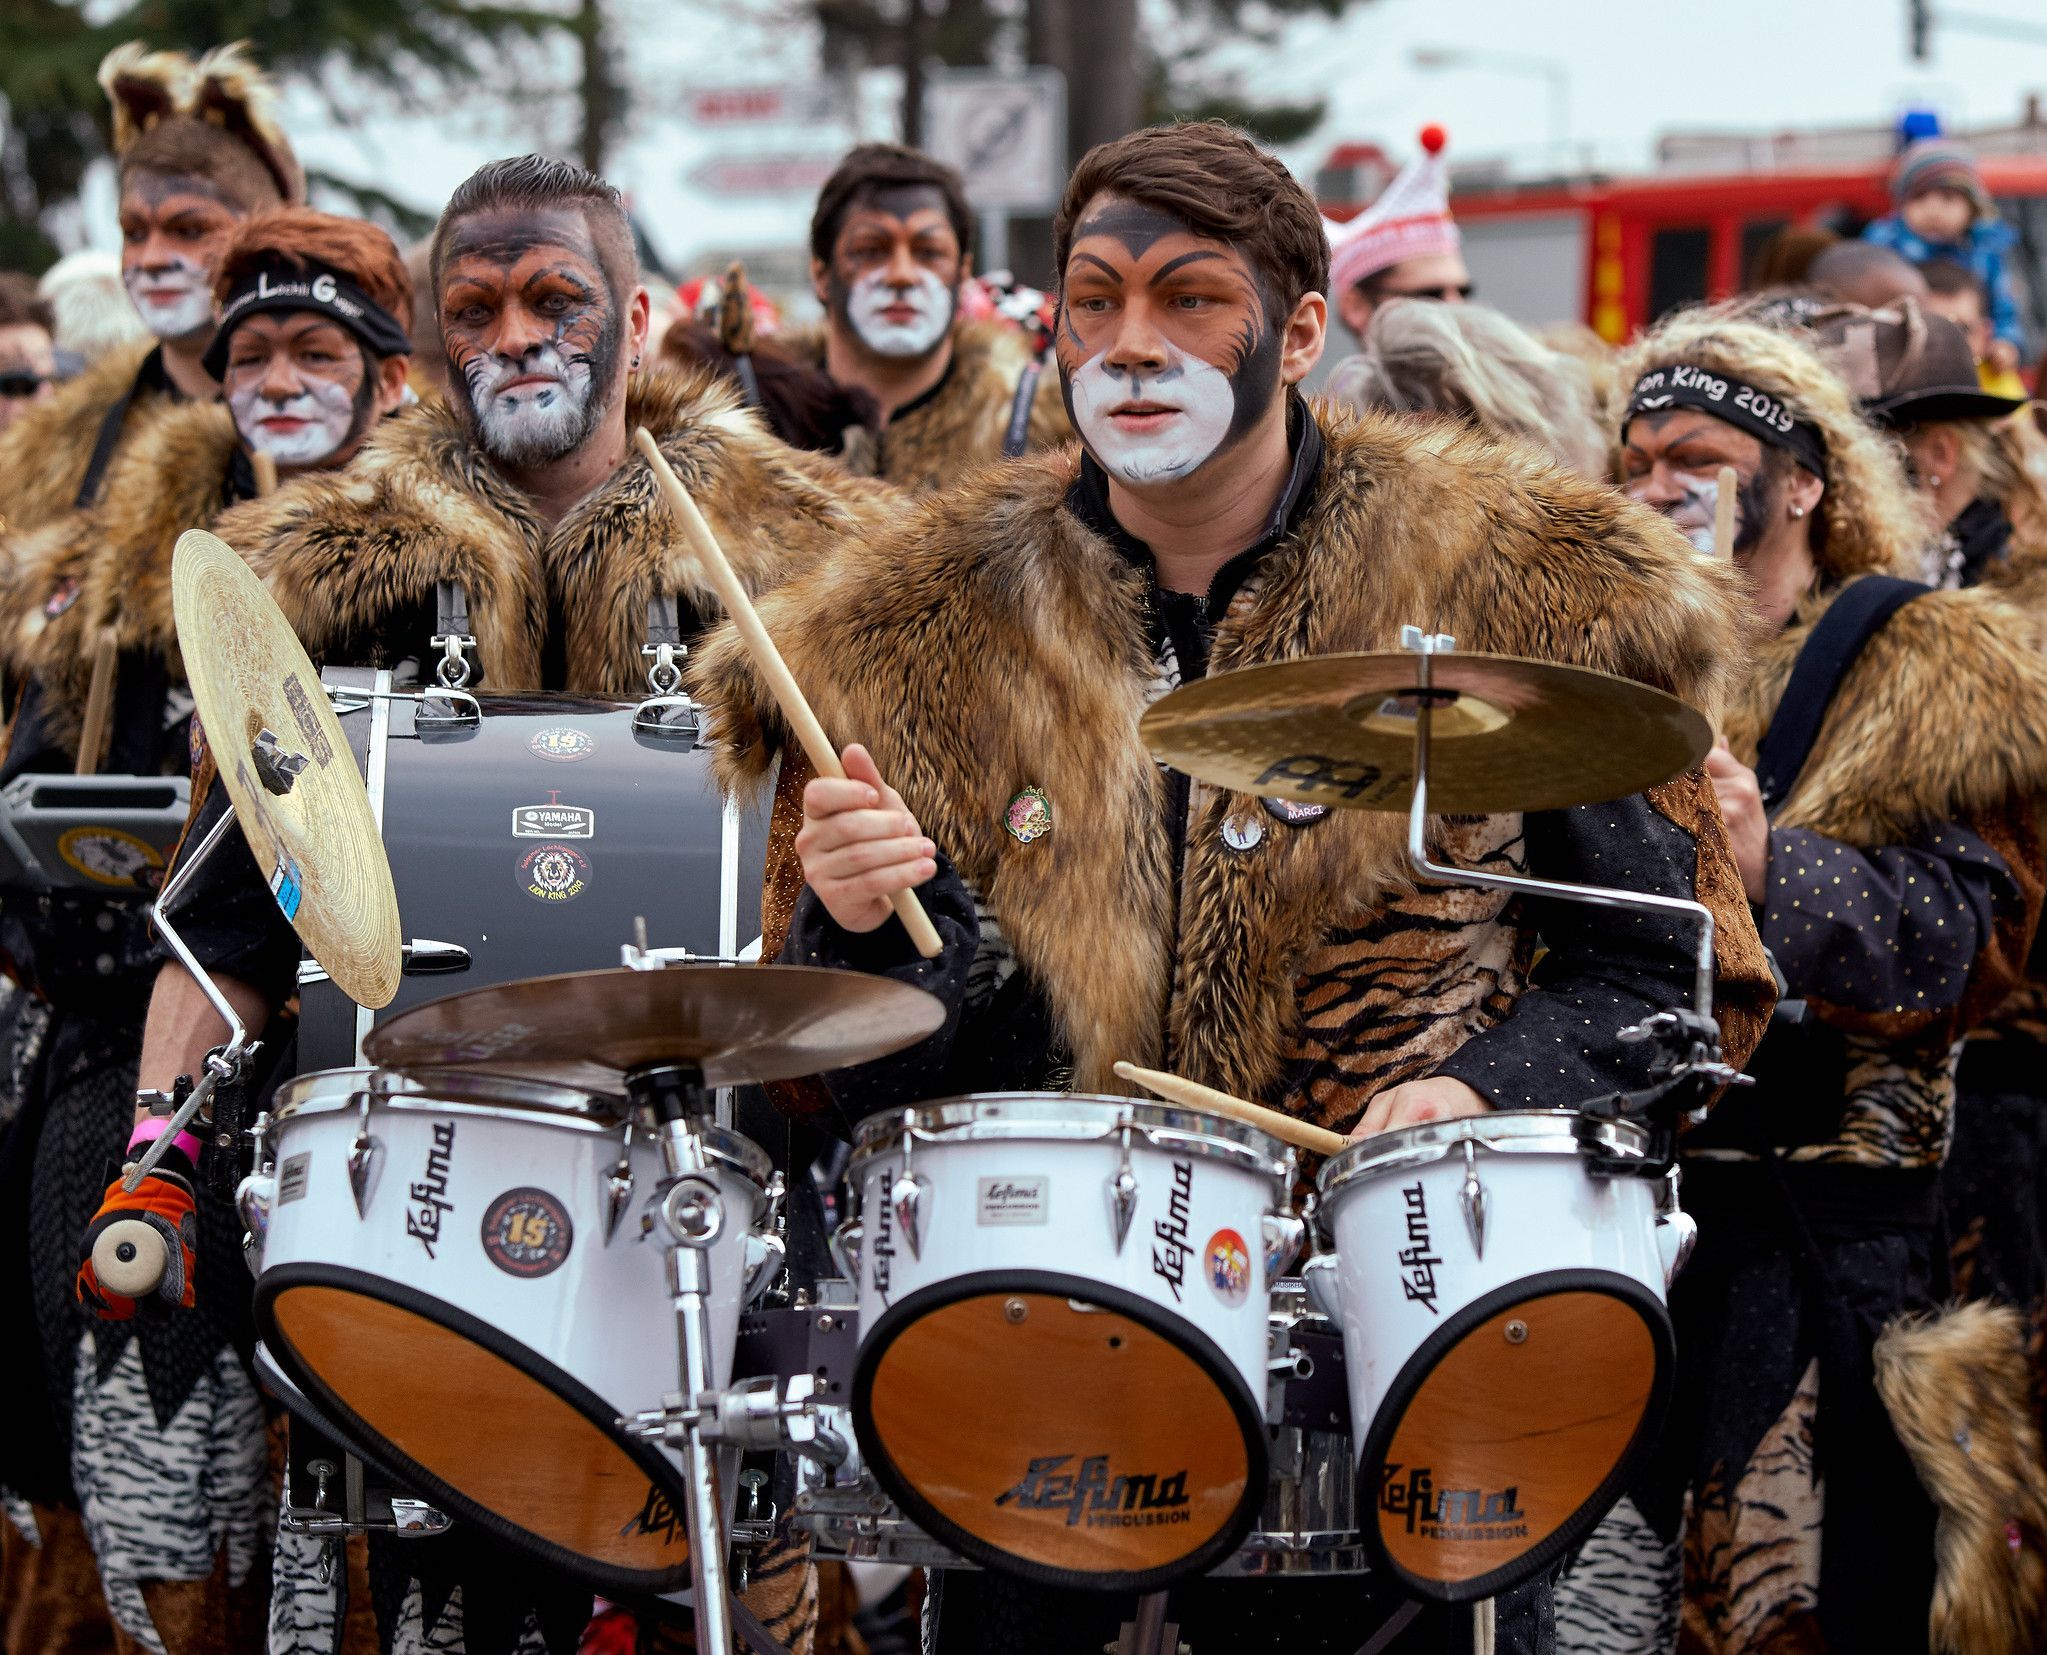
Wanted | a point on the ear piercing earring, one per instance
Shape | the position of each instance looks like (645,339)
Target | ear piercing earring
(1933,482)
(1798,511)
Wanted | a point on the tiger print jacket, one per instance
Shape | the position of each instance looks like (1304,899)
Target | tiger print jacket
(995,652)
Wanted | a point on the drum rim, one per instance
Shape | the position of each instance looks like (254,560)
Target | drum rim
(1189,1339)
(982,1117)
(1498,1132)
(661,1472)
(1567,1535)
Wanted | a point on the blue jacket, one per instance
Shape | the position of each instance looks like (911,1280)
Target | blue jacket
(1984,251)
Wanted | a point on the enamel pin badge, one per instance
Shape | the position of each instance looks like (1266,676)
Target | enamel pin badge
(1029,816)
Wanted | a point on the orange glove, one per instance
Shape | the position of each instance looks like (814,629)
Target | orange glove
(141,1248)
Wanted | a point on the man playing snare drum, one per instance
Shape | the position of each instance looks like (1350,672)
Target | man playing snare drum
(992,654)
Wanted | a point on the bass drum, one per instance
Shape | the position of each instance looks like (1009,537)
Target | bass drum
(530,832)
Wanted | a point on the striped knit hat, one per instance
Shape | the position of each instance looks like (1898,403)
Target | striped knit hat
(1410,220)
(1934,163)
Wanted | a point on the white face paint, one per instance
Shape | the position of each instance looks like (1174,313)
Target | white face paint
(1152,428)
(918,333)
(1694,513)
(538,420)
(298,430)
(173,300)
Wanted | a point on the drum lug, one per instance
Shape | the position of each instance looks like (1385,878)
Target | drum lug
(1319,1276)
(362,1159)
(1472,1199)
(765,1254)
(1284,1237)
(618,1186)
(1677,1234)
(906,1197)
(844,1244)
(1122,1196)
(253,1197)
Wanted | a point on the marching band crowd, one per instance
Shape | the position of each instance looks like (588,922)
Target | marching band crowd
(986,538)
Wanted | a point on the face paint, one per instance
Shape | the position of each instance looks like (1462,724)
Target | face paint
(296,430)
(174,298)
(900,321)
(1698,501)
(1152,427)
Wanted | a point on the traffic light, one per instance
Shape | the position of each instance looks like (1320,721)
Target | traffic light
(1922,29)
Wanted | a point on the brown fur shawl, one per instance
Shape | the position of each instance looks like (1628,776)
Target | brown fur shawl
(342,551)
(43,455)
(964,423)
(992,643)
(165,478)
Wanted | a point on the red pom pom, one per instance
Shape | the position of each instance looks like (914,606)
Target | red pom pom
(1434,138)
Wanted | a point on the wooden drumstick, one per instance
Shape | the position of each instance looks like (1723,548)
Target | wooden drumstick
(99,702)
(265,468)
(824,758)
(1723,514)
(1196,1096)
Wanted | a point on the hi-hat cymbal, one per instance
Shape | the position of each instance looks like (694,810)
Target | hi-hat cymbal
(1507,735)
(286,765)
(735,1023)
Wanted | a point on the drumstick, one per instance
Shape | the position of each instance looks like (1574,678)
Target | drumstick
(1723,515)
(265,468)
(824,758)
(1196,1096)
(99,702)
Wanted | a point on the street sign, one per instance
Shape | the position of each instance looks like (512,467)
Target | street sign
(763,174)
(802,103)
(1005,133)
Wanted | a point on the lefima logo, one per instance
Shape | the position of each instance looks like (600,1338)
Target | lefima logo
(1093,1497)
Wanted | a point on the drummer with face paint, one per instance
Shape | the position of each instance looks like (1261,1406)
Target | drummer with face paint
(988,661)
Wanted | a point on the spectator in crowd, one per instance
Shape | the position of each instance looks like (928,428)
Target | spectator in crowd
(93,313)
(1785,260)
(1470,363)
(1942,210)
(1955,291)
(28,361)
(1404,246)
(1860,273)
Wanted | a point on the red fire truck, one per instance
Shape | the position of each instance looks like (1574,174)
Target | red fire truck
(1616,252)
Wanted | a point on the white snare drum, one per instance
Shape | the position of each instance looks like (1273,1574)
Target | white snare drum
(1504,1326)
(1063,1344)
(460,1271)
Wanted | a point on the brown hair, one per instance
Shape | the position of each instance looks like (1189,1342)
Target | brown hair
(803,404)
(536,183)
(1222,186)
(305,240)
(20,303)
(873,167)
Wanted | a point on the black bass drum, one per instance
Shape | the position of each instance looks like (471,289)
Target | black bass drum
(527,834)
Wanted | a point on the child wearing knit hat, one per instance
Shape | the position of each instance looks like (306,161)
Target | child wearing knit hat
(1944,212)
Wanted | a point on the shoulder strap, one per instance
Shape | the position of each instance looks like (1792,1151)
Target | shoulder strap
(1018,436)
(1838,638)
(103,449)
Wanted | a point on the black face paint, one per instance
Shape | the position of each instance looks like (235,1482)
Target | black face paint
(1755,503)
(1138,227)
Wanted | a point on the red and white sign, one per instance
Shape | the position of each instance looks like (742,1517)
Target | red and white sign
(798,102)
(763,174)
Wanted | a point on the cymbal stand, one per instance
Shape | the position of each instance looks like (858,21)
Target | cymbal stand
(225,1063)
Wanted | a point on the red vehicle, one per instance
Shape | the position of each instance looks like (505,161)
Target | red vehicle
(1616,253)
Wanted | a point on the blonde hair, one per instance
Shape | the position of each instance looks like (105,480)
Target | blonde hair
(1868,519)
(1470,361)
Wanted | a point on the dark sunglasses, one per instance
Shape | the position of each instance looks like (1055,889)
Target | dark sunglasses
(21,385)
(1447,291)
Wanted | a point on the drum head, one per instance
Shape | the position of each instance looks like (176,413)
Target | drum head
(1058,1430)
(480,1425)
(1513,1430)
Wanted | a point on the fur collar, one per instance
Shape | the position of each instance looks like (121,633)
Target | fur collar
(994,643)
(344,552)
(1944,714)
(44,454)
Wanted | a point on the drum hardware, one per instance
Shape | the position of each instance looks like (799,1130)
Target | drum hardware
(1471,1199)
(363,1150)
(1150,1633)
(445,705)
(422,956)
(667,711)
(637,956)
(618,1185)
(752,1528)
(1122,1192)
(906,1194)
(451,635)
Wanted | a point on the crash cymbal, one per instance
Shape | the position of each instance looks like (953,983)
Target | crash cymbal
(1508,734)
(736,1023)
(286,765)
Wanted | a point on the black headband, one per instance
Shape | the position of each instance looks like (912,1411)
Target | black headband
(328,293)
(1759,413)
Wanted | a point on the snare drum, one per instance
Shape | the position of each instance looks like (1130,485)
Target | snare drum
(1063,1343)
(1508,1345)
(462,1272)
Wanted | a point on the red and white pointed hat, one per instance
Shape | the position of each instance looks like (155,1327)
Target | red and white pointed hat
(1410,220)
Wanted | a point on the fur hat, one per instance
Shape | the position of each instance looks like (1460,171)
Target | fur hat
(214,119)
(1410,220)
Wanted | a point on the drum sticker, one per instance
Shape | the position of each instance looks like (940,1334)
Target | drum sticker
(1011,1201)
(107,856)
(288,885)
(1293,812)
(309,727)
(1229,1266)
(1028,815)
(561,744)
(1458,1514)
(1093,1496)
(1417,1261)
(657,1515)
(291,1177)
(554,820)
(429,1192)
(554,873)
(526,1233)
(1170,1245)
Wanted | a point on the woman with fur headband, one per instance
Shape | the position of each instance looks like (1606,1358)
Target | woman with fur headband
(198,149)
(312,353)
(1883,757)
(995,651)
